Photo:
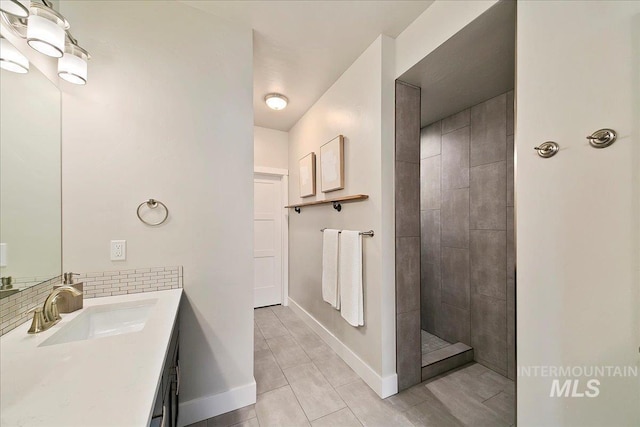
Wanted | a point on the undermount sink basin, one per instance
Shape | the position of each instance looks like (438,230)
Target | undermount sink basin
(104,321)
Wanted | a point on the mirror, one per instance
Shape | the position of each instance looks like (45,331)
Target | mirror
(30,181)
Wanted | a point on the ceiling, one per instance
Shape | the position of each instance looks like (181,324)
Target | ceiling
(474,65)
(302,47)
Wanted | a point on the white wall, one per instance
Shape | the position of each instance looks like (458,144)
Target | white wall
(270,148)
(168,114)
(356,106)
(433,27)
(578,213)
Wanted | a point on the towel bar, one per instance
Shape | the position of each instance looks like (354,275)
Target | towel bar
(362,233)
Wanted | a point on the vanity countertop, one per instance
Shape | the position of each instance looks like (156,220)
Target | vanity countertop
(109,381)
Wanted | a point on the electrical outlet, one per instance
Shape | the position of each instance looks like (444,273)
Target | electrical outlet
(118,250)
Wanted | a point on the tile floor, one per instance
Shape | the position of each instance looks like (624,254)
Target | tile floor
(302,382)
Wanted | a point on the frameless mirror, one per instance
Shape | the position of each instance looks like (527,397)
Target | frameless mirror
(30,187)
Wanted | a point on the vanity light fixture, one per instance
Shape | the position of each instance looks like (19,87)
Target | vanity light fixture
(18,8)
(46,30)
(72,67)
(276,101)
(11,59)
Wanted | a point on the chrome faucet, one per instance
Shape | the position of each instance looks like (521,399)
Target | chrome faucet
(47,316)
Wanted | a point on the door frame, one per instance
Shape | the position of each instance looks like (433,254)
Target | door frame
(284,183)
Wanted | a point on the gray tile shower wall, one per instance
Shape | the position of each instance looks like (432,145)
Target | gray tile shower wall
(407,215)
(14,309)
(467,230)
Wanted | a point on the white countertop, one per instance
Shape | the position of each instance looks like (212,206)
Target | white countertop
(110,381)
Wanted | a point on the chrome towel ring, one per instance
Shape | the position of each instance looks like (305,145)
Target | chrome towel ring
(152,204)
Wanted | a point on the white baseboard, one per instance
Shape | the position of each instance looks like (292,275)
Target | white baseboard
(206,407)
(383,386)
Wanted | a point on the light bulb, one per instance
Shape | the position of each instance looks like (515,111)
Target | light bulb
(46,30)
(11,59)
(17,8)
(72,67)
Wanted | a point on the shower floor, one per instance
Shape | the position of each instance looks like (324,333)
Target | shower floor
(439,356)
(431,342)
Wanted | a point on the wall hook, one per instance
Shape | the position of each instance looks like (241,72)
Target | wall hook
(602,138)
(547,149)
(337,206)
(298,210)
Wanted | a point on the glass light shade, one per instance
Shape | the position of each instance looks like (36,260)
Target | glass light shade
(275,101)
(72,67)
(18,8)
(11,59)
(46,35)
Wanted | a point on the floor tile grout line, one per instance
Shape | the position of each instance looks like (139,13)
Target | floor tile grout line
(262,332)
(279,367)
(297,399)
(489,398)
(350,382)
(341,409)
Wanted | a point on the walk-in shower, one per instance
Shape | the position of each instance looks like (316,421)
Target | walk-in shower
(454,165)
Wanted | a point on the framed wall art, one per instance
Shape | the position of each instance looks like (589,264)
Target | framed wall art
(332,164)
(308,175)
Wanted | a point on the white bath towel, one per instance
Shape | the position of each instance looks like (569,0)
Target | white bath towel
(330,292)
(350,277)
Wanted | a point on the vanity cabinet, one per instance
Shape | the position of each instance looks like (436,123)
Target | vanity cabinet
(165,411)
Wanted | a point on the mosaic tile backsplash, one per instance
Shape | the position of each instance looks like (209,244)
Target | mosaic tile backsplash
(14,309)
(110,283)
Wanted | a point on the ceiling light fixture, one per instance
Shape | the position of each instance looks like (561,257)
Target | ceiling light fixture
(46,30)
(19,8)
(276,101)
(72,67)
(11,59)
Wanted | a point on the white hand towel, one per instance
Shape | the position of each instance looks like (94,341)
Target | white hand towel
(350,277)
(330,292)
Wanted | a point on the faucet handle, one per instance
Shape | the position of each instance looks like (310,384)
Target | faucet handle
(38,322)
(67,278)
(34,309)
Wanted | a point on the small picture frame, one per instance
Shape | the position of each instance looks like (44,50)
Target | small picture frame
(308,175)
(332,164)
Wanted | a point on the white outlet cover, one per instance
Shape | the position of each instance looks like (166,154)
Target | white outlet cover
(118,250)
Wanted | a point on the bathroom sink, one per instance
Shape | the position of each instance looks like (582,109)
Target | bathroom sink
(104,321)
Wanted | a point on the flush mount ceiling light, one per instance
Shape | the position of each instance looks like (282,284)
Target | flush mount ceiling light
(11,59)
(276,101)
(46,30)
(19,8)
(72,67)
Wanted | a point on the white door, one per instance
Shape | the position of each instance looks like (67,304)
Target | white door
(578,213)
(267,232)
